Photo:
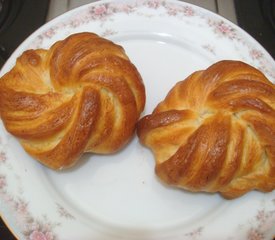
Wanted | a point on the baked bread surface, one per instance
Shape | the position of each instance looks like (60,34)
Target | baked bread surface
(215,131)
(81,95)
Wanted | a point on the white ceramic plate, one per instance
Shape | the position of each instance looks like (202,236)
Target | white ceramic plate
(118,196)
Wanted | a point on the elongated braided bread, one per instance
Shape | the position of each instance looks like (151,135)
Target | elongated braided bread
(81,95)
(215,131)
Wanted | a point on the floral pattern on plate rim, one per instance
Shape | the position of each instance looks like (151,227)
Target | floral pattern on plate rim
(257,227)
(34,228)
(103,12)
(30,227)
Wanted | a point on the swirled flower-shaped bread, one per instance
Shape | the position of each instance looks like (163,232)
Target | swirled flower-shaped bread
(81,95)
(215,131)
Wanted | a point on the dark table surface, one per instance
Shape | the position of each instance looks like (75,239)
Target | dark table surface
(5,234)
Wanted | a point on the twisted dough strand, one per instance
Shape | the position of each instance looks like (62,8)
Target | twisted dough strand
(81,95)
(215,131)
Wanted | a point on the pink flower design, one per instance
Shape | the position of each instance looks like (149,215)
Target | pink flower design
(153,4)
(172,11)
(3,157)
(63,212)
(265,220)
(37,235)
(188,11)
(100,10)
(34,226)
(127,9)
(261,216)
(49,236)
(121,7)
(75,23)
(37,230)
(209,48)
(21,206)
(3,182)
(223,29)
(197,232)
(253,234)
(108,32)
(50,33)
(256,54)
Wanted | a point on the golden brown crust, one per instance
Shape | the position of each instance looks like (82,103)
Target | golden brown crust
(81,95)
(215,131)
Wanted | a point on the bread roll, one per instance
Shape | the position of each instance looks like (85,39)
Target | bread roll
(81,95)
(215,131)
